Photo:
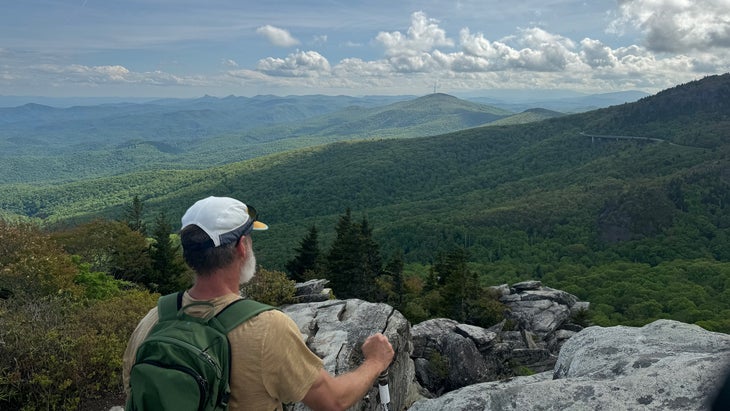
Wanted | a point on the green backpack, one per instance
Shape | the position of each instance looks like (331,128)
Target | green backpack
(184,363)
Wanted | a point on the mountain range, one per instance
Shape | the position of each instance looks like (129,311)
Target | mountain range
(485,186)
(42,144)
(627,207)
(45,144)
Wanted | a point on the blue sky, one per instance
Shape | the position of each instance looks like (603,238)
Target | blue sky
(186,48)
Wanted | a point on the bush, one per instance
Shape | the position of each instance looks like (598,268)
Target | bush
(31,265)
(58,353)
(63,329)
(110,247)
(270,287)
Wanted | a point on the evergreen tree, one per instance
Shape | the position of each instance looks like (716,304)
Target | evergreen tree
(167,264)
(306,263)
(133,216)
(463,298)
(432,281)
(457,282)
(372,263)
(343,257)
(394,270)
(353,262)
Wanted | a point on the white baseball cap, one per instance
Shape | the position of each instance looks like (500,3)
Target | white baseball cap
(224,219)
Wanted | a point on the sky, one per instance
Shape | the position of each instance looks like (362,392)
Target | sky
(188,48)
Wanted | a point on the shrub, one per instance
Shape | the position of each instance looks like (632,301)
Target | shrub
(58,353)
(110,247)
(63,329)
(31,265)
(270,287)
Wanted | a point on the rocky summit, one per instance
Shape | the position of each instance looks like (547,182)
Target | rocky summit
(443,365)
(665,365)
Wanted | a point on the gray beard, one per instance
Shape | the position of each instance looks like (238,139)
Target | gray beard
(248,269)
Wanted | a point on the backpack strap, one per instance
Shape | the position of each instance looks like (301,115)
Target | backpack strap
(168,306)
(229,317)
(239,311)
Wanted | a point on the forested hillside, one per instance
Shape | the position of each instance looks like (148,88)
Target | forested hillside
(81,128)
(46,145)
(535,200)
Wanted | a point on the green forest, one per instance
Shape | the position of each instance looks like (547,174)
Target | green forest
(638,228)
(37,148)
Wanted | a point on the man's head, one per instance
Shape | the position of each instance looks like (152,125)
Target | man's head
(212,228)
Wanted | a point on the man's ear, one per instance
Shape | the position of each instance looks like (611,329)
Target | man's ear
(242,246)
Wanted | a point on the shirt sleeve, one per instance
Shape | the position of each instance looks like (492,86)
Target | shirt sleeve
(290,367)
(138,336)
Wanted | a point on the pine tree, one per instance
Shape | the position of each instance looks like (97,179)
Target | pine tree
(307,261)
(457,282)
(432,281)
(353,262)
(394,270)
(167,264)
(372,263)
(133,216)
(343,257)
(464,298)
(110,247)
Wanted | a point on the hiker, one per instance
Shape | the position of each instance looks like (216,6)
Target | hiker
(270,363)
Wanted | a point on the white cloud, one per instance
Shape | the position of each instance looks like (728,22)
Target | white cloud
(278,37)
(93,76)
(423,35)
(534,50)
(245,74)
(677,25)
(596,54)
(423,53)
(355,67)
(532,57)
(85,74)
(545,51)
(299,64)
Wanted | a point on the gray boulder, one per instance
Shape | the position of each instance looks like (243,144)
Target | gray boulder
(448,355)
(335,331)
(544,318)
(542,310)
(665,365)
(312,291)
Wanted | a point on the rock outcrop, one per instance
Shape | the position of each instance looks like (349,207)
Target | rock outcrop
(335,331)
(543,319)
(665,365)
(312,291)
(538,320)
(442,350)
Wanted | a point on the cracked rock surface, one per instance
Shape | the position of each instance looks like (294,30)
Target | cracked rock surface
(336,329)
(665,365)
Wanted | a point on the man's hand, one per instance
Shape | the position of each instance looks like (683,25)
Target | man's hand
(343,391)
(377,348)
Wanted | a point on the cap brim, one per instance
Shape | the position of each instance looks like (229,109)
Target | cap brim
(259,226)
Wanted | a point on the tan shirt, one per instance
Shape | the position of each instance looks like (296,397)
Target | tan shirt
(270,364)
